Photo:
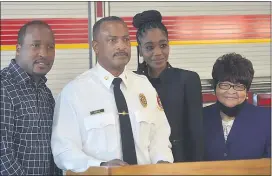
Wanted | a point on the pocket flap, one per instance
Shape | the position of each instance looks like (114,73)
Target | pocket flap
(99,121)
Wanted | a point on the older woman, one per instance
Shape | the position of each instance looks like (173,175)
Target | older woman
(233,128)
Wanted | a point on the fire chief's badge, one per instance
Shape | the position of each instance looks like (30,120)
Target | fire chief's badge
(143,100)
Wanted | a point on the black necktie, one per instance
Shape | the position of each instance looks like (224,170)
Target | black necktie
(128,146)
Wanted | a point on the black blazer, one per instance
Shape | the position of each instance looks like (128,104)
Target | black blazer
(181,97)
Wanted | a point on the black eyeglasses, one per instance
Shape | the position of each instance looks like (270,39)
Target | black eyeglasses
(227,86)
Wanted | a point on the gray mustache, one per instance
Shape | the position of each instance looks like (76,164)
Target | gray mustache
(121,54)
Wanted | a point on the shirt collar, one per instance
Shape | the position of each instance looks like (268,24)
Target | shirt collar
(106,77)
(21,76)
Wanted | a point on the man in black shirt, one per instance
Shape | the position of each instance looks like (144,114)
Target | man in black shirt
(27,104)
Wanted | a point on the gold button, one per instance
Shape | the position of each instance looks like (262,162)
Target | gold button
(106,77)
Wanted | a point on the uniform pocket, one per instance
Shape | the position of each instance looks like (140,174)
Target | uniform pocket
(99,121)
(101,131)
(145,126)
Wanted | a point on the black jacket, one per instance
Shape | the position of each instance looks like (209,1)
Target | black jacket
(180,94)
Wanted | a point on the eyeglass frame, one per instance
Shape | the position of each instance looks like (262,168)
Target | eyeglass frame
(232,86)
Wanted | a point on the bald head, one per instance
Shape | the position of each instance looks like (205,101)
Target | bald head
(23,30)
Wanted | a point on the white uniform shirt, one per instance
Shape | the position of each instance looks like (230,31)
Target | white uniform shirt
(81,140)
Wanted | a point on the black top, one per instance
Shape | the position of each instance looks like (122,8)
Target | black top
(181,97)
(26,124)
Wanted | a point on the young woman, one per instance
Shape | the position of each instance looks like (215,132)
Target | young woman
(179,90)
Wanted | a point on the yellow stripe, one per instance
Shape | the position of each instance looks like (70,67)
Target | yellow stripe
(73,46)
(193,42)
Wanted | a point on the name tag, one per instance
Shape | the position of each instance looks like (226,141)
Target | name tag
(99,111)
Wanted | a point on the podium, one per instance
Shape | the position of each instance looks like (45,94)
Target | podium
(231,167)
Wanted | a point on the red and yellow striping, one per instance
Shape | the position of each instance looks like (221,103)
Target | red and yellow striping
(72,33)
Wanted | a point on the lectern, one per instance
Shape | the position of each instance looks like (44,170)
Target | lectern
(232,167)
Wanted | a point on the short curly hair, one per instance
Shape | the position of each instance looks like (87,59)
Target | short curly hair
(234,68)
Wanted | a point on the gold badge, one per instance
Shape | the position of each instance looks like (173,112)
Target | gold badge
(143,100)
(159,103)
